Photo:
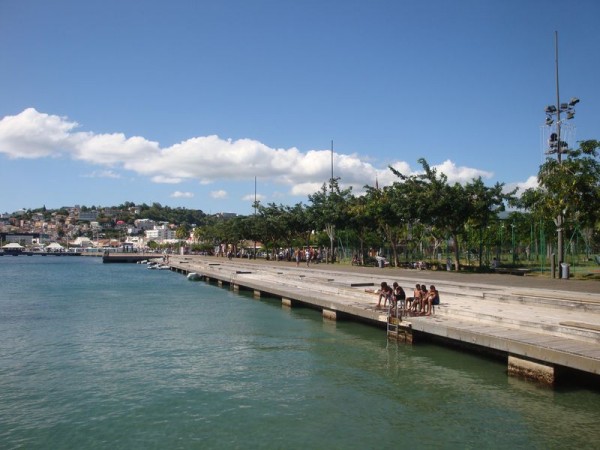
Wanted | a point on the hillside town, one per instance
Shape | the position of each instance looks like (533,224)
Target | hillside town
(89,229)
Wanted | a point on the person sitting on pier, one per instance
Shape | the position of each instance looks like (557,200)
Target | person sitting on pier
(420,295)
(424,293)
(432,298)
(386,293)
(412,302)
(399,296)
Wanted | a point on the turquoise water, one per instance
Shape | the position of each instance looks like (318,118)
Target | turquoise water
(99,355)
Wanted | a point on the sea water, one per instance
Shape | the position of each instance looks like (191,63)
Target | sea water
(99,355)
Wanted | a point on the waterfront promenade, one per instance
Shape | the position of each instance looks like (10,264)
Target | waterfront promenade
(541,325)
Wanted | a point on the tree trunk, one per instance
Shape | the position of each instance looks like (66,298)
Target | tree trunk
(330,229)
(362,252)
(456,252)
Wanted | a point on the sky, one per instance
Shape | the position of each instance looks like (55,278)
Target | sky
(210,104)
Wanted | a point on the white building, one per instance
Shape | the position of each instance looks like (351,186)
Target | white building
(82,242)
(160,233)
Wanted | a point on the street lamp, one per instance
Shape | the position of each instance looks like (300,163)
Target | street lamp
(557,145)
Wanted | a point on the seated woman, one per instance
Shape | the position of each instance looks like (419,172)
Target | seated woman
(432,298)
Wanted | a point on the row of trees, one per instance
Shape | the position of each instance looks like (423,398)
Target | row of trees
(396,217)
(425,214)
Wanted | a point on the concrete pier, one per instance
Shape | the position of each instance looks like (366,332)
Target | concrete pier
(538,325)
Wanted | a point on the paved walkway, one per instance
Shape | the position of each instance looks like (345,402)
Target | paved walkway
(429,276)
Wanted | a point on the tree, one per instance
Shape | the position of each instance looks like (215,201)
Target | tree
(361,222)
(329,209)
(568,191)
(386,207)
(431,200)
(486,203)
(182,232)
(295,226)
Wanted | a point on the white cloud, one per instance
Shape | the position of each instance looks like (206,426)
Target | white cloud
(531,182)
(114,149)
(179,194)
(461,174)
(250,198)
(31,134)
(102,174)
(206,159)
(166,180)
(304,189)
(219,194)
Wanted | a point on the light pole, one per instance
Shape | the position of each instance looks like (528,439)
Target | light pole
(501,241)
(332,230)
(255,216)
(501,230)
(557,145)
(513,242)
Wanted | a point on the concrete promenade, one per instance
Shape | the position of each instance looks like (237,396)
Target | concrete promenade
(543,326)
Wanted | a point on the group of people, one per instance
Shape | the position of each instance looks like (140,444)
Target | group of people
(421,302)
(308,255)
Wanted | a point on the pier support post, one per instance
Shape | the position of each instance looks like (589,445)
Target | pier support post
(256,293)
(329,314)
(286,302)
(235,287)
(220,283)
(532,370)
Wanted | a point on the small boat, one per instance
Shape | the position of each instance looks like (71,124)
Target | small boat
(193,276)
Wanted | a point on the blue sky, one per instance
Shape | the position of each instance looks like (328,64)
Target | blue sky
(185,102)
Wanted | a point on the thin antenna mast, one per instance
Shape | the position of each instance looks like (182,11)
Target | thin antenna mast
(559,149)
(332,166)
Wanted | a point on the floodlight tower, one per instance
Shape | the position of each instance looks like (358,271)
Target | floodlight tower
(556,144)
